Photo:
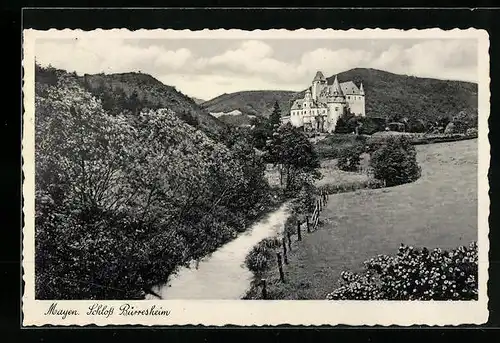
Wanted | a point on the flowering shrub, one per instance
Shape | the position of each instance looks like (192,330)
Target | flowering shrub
(261,256)
(414,274)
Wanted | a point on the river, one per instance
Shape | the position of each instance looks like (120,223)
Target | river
(223,274)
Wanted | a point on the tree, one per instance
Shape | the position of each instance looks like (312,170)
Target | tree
(125,200)
(350,157)
(260,132)
(133,103)
(395,161)
(295,156)
(275,117)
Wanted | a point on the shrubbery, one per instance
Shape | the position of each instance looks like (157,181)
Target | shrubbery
(262,255)
(305,201)
(395,162)
(414,274)
(122,201)
(335,144)
(350,158)
(352,186)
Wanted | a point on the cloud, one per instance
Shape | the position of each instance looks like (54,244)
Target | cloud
(109,56)
(446,59)
(255,64)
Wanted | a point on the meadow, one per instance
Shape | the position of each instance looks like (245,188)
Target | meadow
(438,210)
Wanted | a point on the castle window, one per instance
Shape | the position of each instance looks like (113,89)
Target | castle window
(336,108)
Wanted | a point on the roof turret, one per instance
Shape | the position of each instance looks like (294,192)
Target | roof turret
(335,89)
(319,76)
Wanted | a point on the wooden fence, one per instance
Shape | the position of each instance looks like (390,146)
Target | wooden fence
(311,224)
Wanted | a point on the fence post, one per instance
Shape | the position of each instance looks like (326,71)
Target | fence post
(264,289)
(285,257)
(299,234)
(307,223)
(289,236)
(280,267)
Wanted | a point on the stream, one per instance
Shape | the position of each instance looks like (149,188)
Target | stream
(223,274)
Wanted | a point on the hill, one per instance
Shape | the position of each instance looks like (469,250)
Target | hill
(249,103)
(387,95)
(133,91)
(152,93)
(198,101)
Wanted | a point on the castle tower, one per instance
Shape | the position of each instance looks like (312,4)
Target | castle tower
(319,82)
(336,104)
(362,102)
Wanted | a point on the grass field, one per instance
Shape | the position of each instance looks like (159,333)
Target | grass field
(331,174)
(438,210)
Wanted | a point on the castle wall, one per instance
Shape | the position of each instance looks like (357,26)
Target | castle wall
(296,118)
(356,104)
(335,110)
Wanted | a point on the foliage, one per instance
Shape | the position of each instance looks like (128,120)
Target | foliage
(291,223)
(305,201)
(414,274)
(334,145)
(262,255)
(395,162)
(292,151)
(122,200)
(352,186)
(275,117)
(349,158)
(133,92)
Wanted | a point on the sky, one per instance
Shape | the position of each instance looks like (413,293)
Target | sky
(208,68)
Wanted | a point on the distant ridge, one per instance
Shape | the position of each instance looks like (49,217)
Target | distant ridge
(387,94)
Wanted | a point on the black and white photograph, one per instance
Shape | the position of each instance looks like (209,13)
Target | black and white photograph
(257,175)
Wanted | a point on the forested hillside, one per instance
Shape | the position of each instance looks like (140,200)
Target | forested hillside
(388,95)
(123,198)
(135,91)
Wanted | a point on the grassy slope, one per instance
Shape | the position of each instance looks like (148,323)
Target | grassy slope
(438,210)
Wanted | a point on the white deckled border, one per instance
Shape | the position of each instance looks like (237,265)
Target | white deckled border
(239,312)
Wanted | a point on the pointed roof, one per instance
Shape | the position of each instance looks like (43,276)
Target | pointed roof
(319,76)
(335,89)
(361,88)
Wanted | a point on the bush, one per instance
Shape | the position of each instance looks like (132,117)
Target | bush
(349,158)
(305,201)
(352,186)
(262,255)
(334,145)
(395,162)
(414,274)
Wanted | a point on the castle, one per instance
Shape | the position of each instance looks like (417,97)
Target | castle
(323,104)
